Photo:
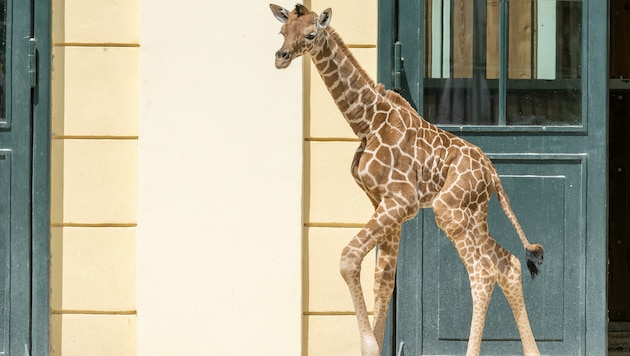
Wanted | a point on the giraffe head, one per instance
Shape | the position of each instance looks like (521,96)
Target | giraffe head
(301,28)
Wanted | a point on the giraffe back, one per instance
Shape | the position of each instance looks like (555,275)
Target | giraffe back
(406,156)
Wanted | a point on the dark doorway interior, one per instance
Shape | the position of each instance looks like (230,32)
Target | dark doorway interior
(619,168)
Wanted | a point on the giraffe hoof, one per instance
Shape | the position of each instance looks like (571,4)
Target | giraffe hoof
(369,347)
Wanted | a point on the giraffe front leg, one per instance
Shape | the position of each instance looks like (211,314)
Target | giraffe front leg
(384,281)
(383,229)
(350,267)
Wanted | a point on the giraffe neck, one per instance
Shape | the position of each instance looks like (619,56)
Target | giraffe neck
(354,92)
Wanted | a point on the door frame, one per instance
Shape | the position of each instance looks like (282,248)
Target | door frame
(41,132)
(595,100)
(27,133)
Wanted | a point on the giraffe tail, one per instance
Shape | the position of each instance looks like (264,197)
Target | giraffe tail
(534,253)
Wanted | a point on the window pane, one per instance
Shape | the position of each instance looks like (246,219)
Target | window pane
(541,49)
(544,62)
(461,63)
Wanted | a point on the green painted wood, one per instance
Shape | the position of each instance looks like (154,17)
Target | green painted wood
(595,98)
(556,179)
(20,144)
(5,245)
(24,175)
(17,139)
(386,39)
(41,132)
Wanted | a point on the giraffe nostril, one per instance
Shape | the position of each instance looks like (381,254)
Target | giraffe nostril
(282,54)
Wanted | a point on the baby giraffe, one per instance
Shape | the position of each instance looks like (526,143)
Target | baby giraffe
(403,164)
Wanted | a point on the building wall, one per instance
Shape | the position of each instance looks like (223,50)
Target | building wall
(94,176)
(185,168)
(220,179)
(335,207)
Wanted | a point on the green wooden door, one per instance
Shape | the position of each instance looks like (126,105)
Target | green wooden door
(526,81)
(24,188)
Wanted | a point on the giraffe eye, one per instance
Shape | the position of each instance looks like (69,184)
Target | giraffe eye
(311,36)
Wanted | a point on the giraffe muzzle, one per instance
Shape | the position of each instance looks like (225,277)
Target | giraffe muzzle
(283,59)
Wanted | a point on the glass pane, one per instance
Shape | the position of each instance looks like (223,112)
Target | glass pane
(544,62)
(540,81)
(461,61)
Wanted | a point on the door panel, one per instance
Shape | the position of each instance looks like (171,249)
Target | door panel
(546,194)
(16,189)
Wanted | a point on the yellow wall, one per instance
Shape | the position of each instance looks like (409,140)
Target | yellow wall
(219,210)
(94,177)
(335,207)
(185,169)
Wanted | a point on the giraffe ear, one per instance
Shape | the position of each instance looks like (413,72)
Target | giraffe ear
(279,13)
(324,18)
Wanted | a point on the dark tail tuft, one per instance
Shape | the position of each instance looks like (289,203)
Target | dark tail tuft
(535,255)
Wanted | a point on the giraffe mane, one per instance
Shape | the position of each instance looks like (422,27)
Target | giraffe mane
(392,96)
(335,36)
(398,100)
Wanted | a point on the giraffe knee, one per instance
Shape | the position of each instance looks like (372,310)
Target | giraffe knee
(349,265)
(510,271)
(514,266)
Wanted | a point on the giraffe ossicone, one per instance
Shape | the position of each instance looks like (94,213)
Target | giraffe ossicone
(403,164)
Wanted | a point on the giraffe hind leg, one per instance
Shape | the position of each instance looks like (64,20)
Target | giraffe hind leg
(510,282)
(481,287)
(482,272)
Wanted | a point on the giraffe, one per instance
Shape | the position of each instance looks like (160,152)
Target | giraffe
(403,164)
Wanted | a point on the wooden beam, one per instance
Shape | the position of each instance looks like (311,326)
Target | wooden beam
(462,39)
(519,39)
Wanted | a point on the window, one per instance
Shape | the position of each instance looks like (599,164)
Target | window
(513,62)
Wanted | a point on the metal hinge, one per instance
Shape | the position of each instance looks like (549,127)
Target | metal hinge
(398,66)
(32,61)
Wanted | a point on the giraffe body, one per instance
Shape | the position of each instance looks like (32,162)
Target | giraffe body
(403,164)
